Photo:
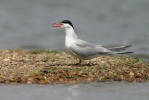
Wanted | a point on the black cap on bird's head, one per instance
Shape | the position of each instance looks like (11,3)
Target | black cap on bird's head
(67,22)
(60,24)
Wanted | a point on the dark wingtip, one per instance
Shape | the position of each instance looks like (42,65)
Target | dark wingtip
(128,46)
(123,52)
(129,52)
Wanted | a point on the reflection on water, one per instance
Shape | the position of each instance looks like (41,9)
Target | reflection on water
(27,23)
(87,91)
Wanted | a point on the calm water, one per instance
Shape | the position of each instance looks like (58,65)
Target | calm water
(89,91)
(27,23)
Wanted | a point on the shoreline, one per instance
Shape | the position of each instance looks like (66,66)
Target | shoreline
(54,67)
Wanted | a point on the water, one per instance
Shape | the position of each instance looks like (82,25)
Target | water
(27,23)
(89,91)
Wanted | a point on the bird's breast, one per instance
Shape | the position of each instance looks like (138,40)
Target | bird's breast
(69,42)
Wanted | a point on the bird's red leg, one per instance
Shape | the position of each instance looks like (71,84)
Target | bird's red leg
(79,64)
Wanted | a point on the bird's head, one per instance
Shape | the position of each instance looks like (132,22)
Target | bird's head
(64,24)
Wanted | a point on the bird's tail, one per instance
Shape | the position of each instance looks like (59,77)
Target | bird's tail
(118,49)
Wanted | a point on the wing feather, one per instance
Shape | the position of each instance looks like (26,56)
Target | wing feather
(84,48)
(82,43)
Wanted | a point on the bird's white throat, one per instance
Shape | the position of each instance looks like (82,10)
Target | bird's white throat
(70,36)
(70,32)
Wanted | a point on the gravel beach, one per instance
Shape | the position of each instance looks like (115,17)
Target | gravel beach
(53,67)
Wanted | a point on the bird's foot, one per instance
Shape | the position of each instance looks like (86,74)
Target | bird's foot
(79,64)
(90,63)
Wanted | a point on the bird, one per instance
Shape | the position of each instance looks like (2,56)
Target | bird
(84,50)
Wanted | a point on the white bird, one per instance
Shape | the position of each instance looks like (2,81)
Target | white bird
(82,49)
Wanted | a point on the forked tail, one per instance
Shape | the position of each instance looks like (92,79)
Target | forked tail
(117,50)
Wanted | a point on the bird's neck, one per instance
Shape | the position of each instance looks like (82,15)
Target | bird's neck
(70,37)
(70,33)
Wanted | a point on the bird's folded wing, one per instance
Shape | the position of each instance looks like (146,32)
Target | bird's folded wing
(82,43)
(83,48)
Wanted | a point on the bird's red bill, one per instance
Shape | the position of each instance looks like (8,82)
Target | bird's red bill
(57,24)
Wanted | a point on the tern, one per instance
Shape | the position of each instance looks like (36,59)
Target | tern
(84,50)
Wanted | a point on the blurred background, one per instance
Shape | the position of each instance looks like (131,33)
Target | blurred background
(27,24)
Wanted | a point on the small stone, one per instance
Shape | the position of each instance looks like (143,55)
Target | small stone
(7,60)
(131,74)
